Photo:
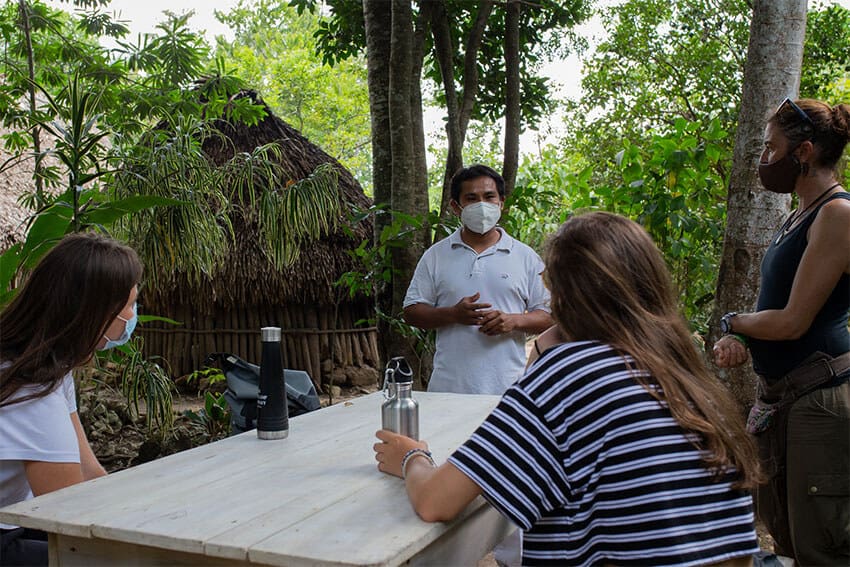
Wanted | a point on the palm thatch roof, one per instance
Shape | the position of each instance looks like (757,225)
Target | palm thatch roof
(248,277)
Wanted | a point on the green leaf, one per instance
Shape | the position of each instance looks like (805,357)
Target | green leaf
(157,318)
(9,261)
(108,213)
(49,227)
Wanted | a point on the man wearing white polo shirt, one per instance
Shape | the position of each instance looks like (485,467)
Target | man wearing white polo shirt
(481,290)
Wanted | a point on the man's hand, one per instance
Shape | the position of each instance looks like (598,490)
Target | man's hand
(467,311)
(497,323)
(729,352)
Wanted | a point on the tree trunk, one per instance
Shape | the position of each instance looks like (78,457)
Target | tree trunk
(772,71)
(24,11)
(512,96)
(467,102)
(419,198)
(404,190)
(444,53)
(377,17)
(420,165)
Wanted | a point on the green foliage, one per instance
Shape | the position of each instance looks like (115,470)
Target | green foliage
(274,48)
(214,417)
(376,260)
(826,53)
(376,267)
(194,239)
(210,375)
(671,187)
(544,196)
(143,379)
(662,71)
(662,61)
(544,33)
(83,205)
(668,184)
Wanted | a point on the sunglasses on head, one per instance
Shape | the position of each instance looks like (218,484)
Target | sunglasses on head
(800,112)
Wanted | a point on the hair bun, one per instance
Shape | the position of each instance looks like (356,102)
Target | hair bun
(841,120)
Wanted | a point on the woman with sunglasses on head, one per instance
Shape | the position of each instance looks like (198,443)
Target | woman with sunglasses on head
(618,446)
(799,340)
(80,298)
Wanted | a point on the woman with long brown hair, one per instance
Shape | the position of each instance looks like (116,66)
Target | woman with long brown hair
(81,297)
(618,445)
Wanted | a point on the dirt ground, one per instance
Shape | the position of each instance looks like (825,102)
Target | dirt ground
(120,437)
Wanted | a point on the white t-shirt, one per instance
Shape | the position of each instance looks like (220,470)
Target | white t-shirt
(507,275)
(38,429)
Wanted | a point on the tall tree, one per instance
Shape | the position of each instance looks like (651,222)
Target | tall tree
(466,60)
(459,106)
(771,72)
(513,118)
(394,101)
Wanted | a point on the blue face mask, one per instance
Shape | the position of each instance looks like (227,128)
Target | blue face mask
(129,325)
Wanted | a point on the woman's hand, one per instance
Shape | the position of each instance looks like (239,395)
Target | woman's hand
(391,450)
(730,352)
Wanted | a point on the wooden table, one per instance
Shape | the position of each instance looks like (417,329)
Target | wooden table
(315,498)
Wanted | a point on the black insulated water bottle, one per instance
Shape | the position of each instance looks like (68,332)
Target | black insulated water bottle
(272,412)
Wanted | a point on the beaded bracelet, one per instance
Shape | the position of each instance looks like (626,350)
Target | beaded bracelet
(415,453)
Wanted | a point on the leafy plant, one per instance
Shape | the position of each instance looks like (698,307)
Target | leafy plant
(214,417)
(84,204)
(143,379)
(376,265)
(211,375)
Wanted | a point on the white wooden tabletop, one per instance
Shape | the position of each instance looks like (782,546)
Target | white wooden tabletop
(313,498)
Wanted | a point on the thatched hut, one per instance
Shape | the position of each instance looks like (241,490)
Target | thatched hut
(319,322)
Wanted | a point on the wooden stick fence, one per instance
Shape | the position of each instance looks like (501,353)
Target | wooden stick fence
(306,339)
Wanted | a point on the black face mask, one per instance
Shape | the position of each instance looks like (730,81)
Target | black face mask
(781,175)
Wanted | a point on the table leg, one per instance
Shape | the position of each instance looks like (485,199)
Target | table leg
(466,543)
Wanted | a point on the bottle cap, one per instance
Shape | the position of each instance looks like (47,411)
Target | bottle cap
(401,371)
(271,334)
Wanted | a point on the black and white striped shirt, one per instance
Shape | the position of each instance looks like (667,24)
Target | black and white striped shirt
(596,470)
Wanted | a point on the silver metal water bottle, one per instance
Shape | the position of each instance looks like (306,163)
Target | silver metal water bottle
(272,411)
(399,412)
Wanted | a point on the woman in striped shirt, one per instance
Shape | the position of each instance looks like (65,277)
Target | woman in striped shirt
(618,446)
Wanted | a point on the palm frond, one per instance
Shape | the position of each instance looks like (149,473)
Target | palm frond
(305,210)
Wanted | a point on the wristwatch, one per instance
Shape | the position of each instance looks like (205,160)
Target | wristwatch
(726,322)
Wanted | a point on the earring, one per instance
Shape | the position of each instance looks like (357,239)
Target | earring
(804,168)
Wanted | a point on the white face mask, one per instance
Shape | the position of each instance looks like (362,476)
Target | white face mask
(480,217)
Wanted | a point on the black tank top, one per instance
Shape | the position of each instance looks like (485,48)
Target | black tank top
(828,332)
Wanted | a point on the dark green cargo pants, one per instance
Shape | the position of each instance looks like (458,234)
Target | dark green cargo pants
(806,503)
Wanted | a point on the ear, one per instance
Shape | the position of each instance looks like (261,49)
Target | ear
(805,152)
(455,207)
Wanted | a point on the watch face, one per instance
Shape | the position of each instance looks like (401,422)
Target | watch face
(726,323)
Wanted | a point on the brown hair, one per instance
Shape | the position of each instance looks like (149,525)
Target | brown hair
(829,129)
(62,311)
(609,283)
